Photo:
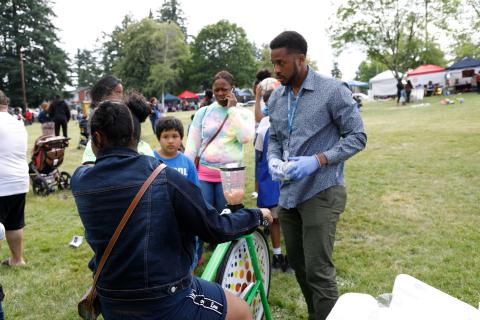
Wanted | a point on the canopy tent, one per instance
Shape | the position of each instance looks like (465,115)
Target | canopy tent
(355,83)
(425,69)
(383,84)
(170,97)
(465,63)
(422,75)
(187,95)
(461,73)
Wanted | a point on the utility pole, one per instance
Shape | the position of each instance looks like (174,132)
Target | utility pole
(165,63)
(22,75)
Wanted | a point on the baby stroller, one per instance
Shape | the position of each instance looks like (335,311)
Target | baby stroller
(47,156)
(83,124)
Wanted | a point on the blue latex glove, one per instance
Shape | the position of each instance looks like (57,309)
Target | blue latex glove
(275,167)
(300,167)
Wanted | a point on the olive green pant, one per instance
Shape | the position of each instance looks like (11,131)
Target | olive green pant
(309,231)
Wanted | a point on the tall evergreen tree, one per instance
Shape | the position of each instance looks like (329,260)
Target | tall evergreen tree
(172,12)
(112,47)
(87,68)
(26,27)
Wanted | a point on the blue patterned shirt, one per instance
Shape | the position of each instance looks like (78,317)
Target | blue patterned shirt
(326,120)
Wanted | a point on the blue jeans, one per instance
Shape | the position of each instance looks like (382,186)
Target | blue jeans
(213,194)
(1,312)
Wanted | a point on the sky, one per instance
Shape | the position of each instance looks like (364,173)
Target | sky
(81,23)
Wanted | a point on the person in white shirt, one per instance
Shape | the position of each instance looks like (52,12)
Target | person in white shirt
(14,181)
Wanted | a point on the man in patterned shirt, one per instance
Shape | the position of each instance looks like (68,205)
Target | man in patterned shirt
(315,127)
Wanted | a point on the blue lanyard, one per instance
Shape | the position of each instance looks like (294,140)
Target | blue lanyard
(292,107)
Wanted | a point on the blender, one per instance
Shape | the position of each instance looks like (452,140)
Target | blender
(233,183)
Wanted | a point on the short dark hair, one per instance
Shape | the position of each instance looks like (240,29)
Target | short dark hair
(225,75)
(209,93)
(262,74)
(169,123)
(103,88)
(291,40)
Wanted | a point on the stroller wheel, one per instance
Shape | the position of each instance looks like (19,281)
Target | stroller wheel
(40,187)
(64,180)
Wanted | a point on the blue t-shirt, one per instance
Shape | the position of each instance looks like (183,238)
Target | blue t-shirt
(182,164)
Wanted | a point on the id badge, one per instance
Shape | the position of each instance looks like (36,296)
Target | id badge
(286,155)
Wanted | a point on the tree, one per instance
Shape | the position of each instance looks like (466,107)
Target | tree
(26,27)
(389,31)
(87,68)
(112,47)
(336,73)
(262,55)
(465,46)
(151,56)
(222,46)
(172,12)
(368,69)
(465,42)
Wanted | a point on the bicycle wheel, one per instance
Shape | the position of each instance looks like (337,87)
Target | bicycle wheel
(236,271)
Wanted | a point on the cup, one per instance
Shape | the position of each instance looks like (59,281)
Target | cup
(233,182)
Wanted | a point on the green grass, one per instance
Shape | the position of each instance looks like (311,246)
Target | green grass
(413,207)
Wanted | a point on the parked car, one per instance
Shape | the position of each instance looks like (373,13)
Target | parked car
(249,103)
(362,96)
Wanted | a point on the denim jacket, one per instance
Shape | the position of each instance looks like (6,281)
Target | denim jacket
(155,250)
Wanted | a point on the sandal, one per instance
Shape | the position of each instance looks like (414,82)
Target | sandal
(5,262)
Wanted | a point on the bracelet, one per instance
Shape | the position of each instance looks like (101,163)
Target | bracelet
(235,207)
(318,160)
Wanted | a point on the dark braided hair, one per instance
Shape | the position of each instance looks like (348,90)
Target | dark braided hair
(120,121)
(115,121)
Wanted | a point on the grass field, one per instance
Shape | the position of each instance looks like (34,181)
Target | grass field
(413,207)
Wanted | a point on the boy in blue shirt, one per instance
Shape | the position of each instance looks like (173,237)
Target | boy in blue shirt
(169,132)
(269,190)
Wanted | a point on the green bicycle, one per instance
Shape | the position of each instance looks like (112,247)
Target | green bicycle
(242,266)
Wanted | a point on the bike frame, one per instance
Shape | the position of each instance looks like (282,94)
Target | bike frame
(216,259)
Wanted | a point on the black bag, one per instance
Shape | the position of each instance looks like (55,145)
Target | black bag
(89,306)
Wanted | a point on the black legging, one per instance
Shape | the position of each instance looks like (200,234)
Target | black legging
(64,128)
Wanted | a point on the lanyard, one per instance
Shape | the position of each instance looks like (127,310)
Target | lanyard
(292,107)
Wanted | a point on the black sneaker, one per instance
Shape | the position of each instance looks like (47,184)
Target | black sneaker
(277,262)
(286,266)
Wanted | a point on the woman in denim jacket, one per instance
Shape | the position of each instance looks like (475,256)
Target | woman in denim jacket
(147,273)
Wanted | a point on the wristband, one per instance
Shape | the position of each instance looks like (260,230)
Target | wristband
(235,207)
(318,160)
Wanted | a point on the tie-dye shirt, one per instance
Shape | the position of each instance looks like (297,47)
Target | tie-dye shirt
(227,147)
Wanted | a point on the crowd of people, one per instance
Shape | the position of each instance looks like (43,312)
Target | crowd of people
(304,127)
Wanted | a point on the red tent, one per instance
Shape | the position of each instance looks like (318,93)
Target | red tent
(187,95)
(425,69)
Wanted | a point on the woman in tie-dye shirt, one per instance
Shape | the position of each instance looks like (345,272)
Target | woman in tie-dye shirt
(227,147)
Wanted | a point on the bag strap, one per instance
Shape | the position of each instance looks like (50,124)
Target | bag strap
(214,136)
(121,225)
